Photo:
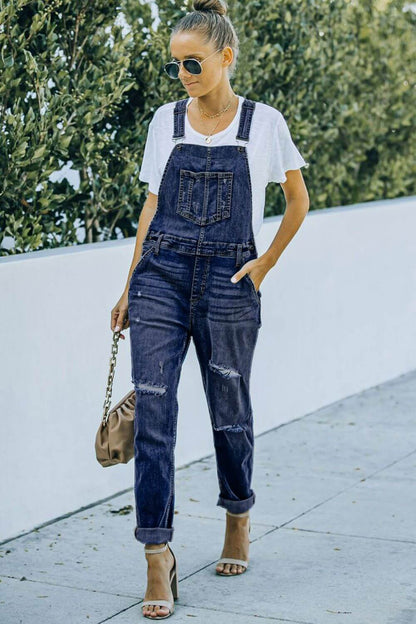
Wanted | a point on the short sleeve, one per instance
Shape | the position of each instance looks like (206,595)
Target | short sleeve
(149,171)
(284,153)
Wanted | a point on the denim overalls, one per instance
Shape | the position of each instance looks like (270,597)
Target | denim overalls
(200,235)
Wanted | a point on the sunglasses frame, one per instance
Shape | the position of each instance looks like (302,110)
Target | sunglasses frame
(165,67)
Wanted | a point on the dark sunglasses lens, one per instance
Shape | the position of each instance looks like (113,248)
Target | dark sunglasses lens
(172,70)
(192,66)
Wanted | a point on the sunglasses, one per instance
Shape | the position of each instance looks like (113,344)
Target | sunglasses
(193,66)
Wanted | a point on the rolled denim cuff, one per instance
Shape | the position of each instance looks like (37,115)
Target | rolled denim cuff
(237,506)
(155,535)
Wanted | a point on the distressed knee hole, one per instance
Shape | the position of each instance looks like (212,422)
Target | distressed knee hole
(222,370)
(149,388)
(231,428)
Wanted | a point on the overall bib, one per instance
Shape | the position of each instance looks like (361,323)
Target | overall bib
(200,235)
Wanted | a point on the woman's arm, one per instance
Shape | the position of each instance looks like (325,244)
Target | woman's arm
(119,314)
(146,216)
(297,205)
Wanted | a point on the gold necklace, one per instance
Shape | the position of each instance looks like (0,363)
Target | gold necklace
(215,114)
(208,138)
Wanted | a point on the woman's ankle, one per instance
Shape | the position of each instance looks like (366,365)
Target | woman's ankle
(243,514)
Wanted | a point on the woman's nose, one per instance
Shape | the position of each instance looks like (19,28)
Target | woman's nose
(183,74)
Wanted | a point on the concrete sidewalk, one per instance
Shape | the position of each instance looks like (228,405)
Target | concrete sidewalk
(333,536)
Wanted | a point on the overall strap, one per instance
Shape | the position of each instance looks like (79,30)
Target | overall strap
(243,133)
(179,119)
(246,117)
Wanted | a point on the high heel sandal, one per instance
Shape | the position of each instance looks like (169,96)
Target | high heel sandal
(241,562)
(173,580)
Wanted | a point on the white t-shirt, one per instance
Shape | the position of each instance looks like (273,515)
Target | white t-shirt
(270,151)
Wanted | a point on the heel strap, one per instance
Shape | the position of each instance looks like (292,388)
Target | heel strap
(240,515)
(155,550)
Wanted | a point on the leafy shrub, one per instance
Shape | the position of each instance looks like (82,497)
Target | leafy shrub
(80,82)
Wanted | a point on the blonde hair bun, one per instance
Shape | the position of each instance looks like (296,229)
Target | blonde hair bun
(216,6)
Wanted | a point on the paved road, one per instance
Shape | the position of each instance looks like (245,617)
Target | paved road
(333,537)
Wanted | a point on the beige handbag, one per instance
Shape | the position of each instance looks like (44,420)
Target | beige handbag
(114,442)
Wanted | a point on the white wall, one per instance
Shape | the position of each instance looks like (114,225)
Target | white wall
(338,313)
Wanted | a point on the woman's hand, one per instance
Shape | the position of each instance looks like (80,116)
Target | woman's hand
(119,314)
(257,269)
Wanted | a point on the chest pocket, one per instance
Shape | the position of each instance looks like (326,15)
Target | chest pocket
(205,197)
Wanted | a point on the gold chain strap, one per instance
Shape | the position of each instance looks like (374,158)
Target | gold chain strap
(113,359)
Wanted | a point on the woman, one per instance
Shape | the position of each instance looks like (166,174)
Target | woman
(196,272)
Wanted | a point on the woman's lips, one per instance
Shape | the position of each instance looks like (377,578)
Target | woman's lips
(189,84)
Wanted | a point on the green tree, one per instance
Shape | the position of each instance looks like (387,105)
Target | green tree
(80,81)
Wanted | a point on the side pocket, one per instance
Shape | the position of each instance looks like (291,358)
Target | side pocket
(257,293)
(147,249)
